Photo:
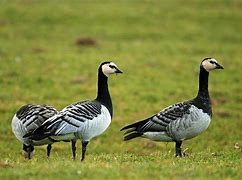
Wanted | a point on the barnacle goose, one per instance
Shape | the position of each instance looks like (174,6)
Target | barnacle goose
(26,120)
(180,121)
(82,120)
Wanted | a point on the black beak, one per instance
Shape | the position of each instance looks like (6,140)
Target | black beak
(218,66)
(118,71)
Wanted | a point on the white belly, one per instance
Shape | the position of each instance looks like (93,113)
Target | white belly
(96,126)
(157,136)
(190,125)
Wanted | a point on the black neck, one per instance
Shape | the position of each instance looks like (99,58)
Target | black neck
(103,95)
(203,83)
(202,100)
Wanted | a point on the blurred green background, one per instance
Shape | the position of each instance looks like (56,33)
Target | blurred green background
(50,52)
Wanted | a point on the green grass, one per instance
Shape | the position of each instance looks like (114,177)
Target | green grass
(158,45)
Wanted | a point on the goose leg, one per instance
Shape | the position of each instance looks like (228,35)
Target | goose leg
(28,151)
(73,145)
(84,145)
(178,148)
(49,149)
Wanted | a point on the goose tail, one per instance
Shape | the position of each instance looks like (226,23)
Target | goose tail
(132,130)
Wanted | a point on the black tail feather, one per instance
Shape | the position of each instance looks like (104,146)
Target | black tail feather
(129,131)
(37,134)
(133,130)
(27,135)
(135,125)
(132,135)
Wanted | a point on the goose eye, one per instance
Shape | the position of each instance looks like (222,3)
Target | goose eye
(212,62)
(112,66)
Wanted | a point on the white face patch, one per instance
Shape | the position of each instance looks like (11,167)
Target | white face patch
(209,64)
(107,70)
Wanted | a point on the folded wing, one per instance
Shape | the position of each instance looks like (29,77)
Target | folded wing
(68,121)
(158,122)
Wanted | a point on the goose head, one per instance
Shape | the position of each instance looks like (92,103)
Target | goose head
(109,68)
(210,64)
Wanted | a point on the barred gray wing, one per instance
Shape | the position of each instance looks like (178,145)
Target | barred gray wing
(32,116)
(160,121)
(70,119)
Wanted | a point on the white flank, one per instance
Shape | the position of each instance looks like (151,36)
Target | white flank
(157,136)
(20,130)
(190,125)
(96,126)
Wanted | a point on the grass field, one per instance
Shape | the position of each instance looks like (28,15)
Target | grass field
(46,58)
